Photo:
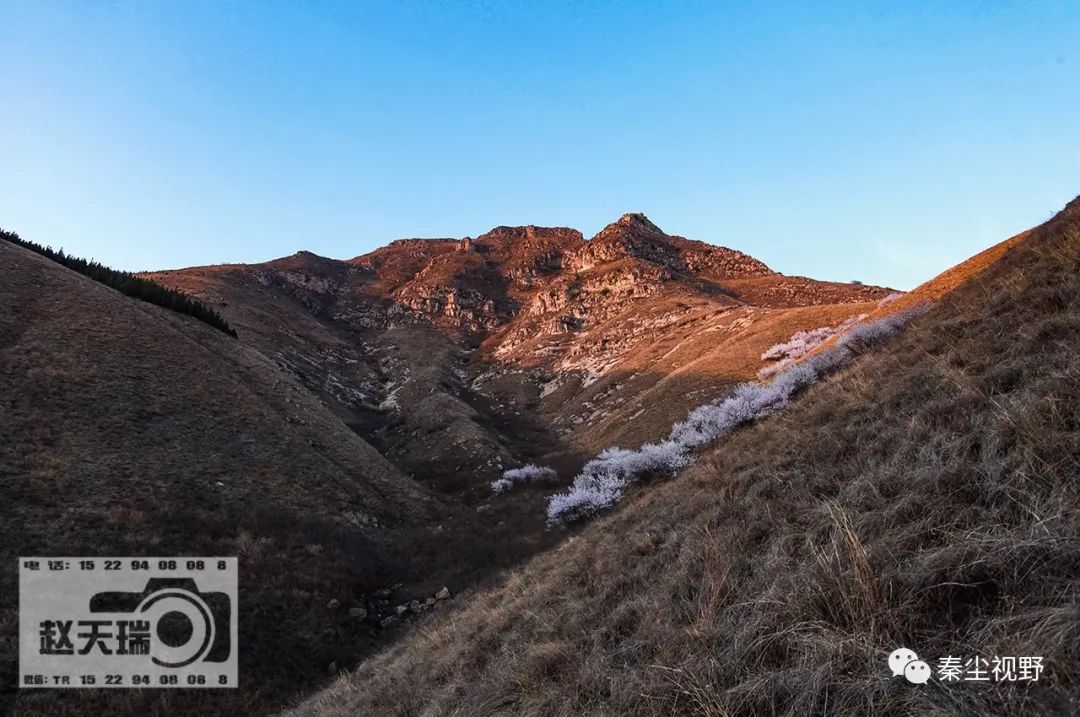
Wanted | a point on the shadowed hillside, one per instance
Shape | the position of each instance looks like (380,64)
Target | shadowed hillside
(131,430)
(925,497)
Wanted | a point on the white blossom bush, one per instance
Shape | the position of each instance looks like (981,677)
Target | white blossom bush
(527,472)
(827,361)
(583,500)
(867,334)
(801,343)
(601,481)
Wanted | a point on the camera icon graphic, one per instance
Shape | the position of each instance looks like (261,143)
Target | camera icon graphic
(185,624)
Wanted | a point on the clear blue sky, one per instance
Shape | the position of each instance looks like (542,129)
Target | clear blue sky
(837,140)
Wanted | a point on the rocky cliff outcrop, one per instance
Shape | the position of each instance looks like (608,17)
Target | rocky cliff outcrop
(453,355)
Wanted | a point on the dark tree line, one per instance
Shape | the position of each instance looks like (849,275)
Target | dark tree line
(127,283)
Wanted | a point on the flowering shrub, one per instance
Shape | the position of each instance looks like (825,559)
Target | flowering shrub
(865,335)
(583,500)
(827,361)
(527,472)
(802,343)
(601,481)
(799,343)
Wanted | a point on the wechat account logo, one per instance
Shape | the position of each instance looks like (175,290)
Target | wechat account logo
(905,662)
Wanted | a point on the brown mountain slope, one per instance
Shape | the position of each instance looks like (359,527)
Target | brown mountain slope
(130,430)
(524,343)
(925,497)
(75,350)
(964,272)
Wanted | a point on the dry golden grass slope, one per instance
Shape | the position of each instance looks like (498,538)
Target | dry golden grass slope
(925,497)
(687,353)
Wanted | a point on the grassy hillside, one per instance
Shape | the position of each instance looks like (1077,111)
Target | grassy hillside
(131,430)
(127,283)
(926,497)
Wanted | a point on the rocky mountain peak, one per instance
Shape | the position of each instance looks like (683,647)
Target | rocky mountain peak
(637,220)
(629,227)
(541,281)
(530,234)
